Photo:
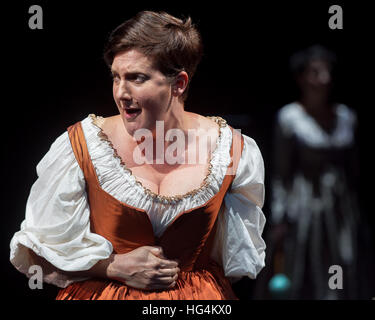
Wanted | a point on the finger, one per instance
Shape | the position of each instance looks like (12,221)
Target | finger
(164,280)
(157,251)
(166,264)
(168,272)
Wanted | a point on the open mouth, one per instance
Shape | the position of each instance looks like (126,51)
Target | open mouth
(131,113)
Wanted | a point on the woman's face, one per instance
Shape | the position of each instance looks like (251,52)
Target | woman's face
(317,76)
(142,93)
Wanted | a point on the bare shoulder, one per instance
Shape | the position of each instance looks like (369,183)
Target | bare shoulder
(201,122)
(110,124)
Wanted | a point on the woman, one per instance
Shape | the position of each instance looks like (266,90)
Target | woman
(106,224)
(315,211)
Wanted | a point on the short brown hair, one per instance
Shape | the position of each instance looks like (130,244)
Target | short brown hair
(300,60)
(174,44)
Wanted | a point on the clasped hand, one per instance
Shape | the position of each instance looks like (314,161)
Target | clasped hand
(144,268)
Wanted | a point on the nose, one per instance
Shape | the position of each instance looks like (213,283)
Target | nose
(324,77)
(122,92)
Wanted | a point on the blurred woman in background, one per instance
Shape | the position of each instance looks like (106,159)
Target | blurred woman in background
(315,212)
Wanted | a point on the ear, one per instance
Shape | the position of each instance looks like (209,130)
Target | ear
(180,83)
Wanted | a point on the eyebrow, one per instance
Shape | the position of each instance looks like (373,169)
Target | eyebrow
(130,72)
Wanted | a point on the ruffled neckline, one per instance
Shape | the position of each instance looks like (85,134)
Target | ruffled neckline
(294,118)
(202,189)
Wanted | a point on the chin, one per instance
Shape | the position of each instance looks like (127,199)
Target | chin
(132,126)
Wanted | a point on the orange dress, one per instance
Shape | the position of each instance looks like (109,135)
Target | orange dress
(189,238)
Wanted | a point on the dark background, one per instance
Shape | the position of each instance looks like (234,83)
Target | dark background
(56,76)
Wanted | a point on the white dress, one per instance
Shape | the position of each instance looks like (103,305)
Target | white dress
(313,192)
(57,225)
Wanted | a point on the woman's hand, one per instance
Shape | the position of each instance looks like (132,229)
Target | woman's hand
(144,268)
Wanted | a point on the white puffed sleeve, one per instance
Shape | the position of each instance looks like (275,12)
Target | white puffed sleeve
(239,246)
(57,222)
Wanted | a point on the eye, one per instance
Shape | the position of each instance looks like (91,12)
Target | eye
(115,77)
(138,78)
(141,78)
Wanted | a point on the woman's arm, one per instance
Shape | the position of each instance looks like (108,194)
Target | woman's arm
(143,268)
(56,233)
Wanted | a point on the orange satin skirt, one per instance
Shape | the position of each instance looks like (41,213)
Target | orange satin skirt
(191,285)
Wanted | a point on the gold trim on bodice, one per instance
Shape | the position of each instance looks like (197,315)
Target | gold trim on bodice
(98,121)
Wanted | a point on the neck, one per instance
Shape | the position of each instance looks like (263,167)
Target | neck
(175,117)
(314,102)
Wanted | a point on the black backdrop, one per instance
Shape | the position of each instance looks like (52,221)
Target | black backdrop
(56,76)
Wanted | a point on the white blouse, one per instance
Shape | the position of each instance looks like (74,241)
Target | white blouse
(57,225)
(294,120)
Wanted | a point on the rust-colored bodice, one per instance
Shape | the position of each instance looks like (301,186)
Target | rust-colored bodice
(188,238)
